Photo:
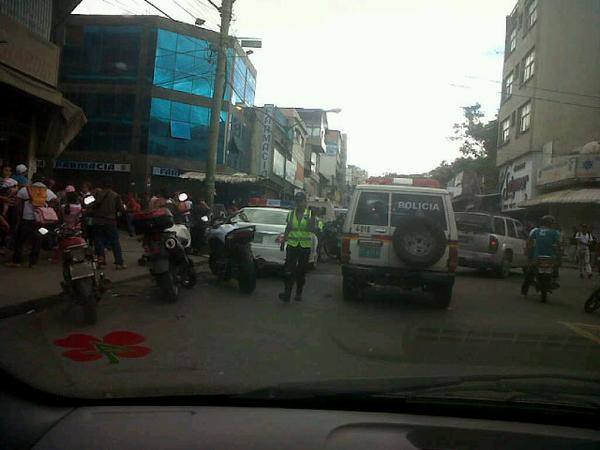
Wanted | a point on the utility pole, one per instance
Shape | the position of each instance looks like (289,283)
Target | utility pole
(217,101)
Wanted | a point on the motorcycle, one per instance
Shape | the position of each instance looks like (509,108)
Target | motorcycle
(544,276)
(83,281)
(331,240)
(593,302)
(231,254)
(165,241)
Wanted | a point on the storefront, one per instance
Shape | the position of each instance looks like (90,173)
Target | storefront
(569,190)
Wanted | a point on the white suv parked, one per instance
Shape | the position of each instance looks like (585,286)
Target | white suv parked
(400,235)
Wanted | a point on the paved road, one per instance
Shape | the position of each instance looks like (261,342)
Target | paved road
(216,339)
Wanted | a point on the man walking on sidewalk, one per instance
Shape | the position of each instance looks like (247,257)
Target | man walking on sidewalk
(104,212)
(584,238)
(298,234)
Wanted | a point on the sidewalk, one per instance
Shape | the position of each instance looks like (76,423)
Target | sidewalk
(24,288)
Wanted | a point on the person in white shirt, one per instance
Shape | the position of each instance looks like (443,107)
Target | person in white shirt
(584,239)
(27,227)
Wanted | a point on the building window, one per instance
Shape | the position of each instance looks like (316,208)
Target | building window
(525,117)
(508,85)
(180,130)
(505,131)
(531,13)
(529,66)
(512,40)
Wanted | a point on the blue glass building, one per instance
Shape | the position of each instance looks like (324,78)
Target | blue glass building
(146,84)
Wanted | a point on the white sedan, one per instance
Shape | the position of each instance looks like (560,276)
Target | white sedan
(270,224)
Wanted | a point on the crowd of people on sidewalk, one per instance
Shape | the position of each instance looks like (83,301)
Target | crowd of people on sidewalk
(27,204)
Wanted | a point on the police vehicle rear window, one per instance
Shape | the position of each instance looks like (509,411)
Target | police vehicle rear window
(430,206)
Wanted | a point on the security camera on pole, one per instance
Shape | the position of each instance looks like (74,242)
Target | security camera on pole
(217,101)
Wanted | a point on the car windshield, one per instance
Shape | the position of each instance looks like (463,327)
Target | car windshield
(329,196)
(473,222)
(264,216)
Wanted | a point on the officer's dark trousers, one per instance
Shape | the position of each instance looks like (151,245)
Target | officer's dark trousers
(296,264)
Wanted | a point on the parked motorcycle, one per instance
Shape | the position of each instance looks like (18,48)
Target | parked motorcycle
(83,281)
(165,243)
(593,302)
(231,254)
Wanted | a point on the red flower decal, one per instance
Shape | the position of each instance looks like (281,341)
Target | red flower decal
(115,345)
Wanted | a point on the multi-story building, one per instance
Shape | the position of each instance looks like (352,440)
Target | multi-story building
(332,166)
(146,85)
(550,102)
(355,176)
(277,142)
(36,120)
(316,124)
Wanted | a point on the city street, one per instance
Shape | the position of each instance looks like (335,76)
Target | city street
(216,339)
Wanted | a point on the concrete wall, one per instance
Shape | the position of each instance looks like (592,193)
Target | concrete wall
(328,166)
(566,38)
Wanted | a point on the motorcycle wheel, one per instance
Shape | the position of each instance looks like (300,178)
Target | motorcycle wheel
(247,277)
(212,264)
(83,289)
(168,287)
(331,249)
(592,303)
(189,278)
(544,290)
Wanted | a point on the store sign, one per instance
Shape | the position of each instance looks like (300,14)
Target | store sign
(290,171)
(588,166)
(278,164)
(558,171)
(165,172)
(92,166)
(264,155)
(515,184)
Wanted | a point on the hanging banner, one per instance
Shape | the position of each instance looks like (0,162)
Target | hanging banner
(265,152)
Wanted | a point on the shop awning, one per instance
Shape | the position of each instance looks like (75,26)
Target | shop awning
(65,121)
(565,196)
(29,85)
(221,177)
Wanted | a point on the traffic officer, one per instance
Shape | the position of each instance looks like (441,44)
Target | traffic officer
(298,235)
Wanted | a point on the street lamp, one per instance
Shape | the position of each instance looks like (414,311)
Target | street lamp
(200,22)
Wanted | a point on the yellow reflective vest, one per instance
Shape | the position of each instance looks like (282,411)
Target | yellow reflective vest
(299,234)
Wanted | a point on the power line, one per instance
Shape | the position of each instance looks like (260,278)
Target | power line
(158,9)
(193,16)
(540,88)
(582,105)
(120,7)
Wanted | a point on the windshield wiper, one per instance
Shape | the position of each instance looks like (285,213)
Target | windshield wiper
(528,388)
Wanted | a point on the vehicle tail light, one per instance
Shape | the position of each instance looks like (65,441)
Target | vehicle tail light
(345,254)
(452,256)
(493,246)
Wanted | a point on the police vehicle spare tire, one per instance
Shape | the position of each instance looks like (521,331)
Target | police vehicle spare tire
(418,241)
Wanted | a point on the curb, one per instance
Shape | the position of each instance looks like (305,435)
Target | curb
(17,309)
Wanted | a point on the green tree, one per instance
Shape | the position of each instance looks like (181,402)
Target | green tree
(478,146)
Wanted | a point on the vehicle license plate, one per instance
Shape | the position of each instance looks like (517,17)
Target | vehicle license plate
(369,252)
(81,270)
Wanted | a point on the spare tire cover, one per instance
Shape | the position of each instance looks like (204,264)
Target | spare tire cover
(419,242)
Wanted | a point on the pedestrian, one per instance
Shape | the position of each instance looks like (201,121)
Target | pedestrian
(584,240)
(133,207)
(573,245)
(21,175)
(105,211)
(28,199)
(6,172)
(159,200)
(71,209)
(298,235)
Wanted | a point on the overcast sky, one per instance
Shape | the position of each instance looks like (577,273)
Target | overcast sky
(399,69)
